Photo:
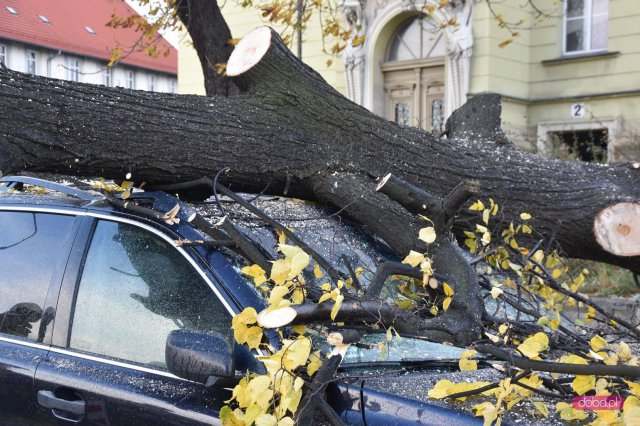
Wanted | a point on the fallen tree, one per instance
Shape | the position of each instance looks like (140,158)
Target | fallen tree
(294,133)
(290,133)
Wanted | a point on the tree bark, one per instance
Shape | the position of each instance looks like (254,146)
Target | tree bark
(292,130)
(211,38)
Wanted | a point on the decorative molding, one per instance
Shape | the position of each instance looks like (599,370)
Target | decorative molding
(354,56)
(459,50)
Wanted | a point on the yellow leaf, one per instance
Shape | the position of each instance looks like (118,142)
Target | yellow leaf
(247,316)
(573,359)
(298,296)
(446,303)
(535,344)
(598,343)
(634,388)
(485,216)
(567,412)
(542,321)
(538,256)
(254,337)
(445,387)
(481,229)
(282,237)
(488,411)
(495,292)
(326,296)
(525,216)
(280,271)
(467,364)
(492,337)
(448,291)
(542,408)
(631,412)
(277,294)
(583,384)
(256,272)
(336,306)
(477,206)
(414,258)
(316,271)
(296,352)
(314,363)
(266,420)
(428,234)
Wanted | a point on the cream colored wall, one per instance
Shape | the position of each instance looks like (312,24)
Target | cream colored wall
(540,92)
(597,75)
(242,20)
(498,69)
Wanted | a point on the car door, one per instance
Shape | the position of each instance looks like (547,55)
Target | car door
(106,365)
(34,247)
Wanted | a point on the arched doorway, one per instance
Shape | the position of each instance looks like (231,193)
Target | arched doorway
(414,75)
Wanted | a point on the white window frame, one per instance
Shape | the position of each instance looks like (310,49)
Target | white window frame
(107,77)
(151,82)
(172,85)
(545,129)
(73,68)
(130,79)
(4,55)
(588,19)
(32,60)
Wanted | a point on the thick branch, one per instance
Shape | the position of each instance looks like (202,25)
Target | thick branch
(291,129)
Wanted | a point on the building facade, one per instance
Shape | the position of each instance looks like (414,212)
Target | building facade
(570,79)
(69,40)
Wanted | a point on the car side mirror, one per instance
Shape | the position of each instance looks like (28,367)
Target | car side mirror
(203,357)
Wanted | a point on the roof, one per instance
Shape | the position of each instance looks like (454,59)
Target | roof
(66,30)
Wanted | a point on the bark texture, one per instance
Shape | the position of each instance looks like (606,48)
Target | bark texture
(292,130)
(210,35)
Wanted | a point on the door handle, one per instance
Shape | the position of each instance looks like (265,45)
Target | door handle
(48,400)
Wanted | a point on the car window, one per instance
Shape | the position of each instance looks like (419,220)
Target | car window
(30,250)
(135,288)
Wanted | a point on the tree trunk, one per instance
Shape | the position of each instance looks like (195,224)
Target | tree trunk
(292,130)
(211,36)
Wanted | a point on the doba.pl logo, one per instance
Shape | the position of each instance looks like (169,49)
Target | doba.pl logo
(594,403)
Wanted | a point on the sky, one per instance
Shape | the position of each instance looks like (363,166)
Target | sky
(172,37)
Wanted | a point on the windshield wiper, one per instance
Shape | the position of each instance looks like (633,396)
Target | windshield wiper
(410,363)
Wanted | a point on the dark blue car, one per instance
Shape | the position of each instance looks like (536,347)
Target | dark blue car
(89,296)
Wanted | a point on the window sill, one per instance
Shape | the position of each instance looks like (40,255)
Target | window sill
(588,56)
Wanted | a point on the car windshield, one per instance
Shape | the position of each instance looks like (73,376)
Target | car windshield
(339,241)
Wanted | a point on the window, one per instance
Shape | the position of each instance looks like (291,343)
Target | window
(12,11)
(3,54)
(73,69)
(31,62)
(135,289)
(44,19)
(581,145)
(172,85)
(106,77)
(131,82)
(29,254)
(90,30)
(419,38)
(151,82)
(586,25)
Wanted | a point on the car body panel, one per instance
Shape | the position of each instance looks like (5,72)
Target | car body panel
(120,393)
